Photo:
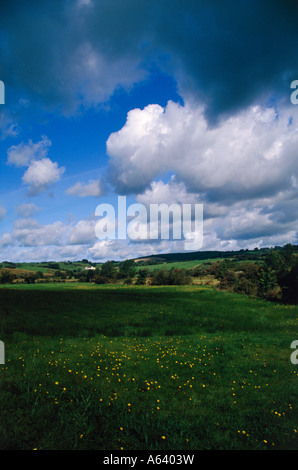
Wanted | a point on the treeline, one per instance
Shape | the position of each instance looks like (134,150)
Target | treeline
(274,278)
(30,277)
(128,273)
(108,273)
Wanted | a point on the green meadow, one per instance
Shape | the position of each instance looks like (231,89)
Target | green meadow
(112,367)
(178,264)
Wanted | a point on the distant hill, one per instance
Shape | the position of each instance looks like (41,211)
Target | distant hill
(240,255)
(202,255)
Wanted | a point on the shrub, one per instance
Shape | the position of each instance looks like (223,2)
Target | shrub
(6,277)
(289,285)
(174,277)
(142,277)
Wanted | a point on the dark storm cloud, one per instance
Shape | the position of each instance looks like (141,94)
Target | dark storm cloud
(54,53)
(233,52)
(226,53)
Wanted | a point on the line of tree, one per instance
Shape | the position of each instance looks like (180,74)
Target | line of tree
(274,278)
(128,273)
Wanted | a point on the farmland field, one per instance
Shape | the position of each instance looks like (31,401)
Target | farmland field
(115,367)
(179,264)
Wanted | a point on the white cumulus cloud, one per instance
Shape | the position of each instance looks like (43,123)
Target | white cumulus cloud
(41,174)
(27,210)
(23,154)
(93,188)
(41,171)
(251,153)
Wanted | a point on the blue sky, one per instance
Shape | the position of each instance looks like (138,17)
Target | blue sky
(164,102)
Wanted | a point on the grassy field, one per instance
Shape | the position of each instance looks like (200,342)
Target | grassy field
(155,368)
(178,264)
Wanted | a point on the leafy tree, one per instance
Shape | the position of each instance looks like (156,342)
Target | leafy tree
(87,275)
(99,279)
(267,281)
(6,277)
(142,277)
(228,280)
(127,269)
(53,265)
(30,278)
(246,286)
(289,285)
(179,277)
(274,259)
(175,276)
(289,256)
(108,270)
(222,268)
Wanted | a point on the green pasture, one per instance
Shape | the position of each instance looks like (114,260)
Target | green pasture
(155,368)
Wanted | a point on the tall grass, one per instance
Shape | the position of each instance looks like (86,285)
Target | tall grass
(145,368)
